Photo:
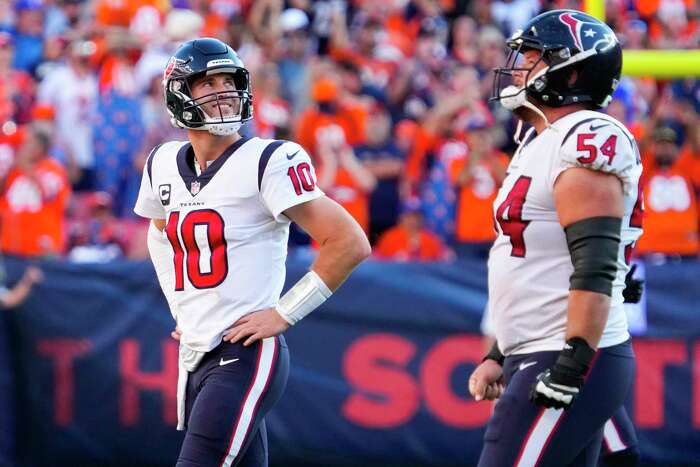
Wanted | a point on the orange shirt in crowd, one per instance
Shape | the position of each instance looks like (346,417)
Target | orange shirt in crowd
(32,210)
(671,214)
(402,32)
(375,71)
(312,122)
(649,10)
(355,201)
(473,223)
(120,12)
(689,165)
(15,91)
(416,142)
(396,244)
(271,113)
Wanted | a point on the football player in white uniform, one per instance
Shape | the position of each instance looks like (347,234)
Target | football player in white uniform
(221,207)
(567,215)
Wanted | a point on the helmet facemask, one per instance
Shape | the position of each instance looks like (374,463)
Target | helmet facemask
(543,85)
(583,63)
(513,96)
(227,110)
(505,89)
(552,85)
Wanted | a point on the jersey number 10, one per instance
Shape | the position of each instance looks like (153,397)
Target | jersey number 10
(188,257)
(301,178)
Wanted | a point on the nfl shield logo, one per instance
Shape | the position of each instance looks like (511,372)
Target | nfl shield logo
(194,188)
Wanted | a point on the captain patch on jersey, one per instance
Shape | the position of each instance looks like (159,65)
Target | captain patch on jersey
(226,227)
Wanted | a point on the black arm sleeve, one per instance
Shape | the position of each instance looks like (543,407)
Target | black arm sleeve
(594,246)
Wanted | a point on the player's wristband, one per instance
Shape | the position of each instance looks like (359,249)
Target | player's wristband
(495,355)
(573,362)
(303,298)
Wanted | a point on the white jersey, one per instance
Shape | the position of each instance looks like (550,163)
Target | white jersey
(529,264)
(227,228)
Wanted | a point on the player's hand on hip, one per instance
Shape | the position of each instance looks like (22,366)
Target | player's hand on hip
(176,333)
(255,326)
(558,386)
(486,382)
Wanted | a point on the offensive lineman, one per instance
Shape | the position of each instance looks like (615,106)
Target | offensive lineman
(221,206)
(567,214)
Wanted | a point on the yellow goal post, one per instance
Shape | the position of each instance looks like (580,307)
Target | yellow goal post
(659,64)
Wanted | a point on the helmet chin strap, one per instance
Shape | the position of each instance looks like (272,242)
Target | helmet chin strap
(223,129)
(513,97)
(519,128)
(216,128)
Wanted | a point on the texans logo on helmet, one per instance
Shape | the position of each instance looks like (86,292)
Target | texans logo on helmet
(592,37)
(170,67)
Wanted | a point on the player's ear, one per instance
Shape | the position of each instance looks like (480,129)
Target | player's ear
(573,77)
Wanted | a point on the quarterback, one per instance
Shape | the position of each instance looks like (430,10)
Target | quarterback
(221,206)
(568,215)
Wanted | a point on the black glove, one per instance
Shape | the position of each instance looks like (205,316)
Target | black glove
(634,288)
(558,386)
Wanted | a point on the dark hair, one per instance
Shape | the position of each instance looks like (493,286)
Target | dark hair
(665,134)
(42,136)
(347,65)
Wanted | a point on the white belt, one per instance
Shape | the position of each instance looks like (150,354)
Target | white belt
(188,362)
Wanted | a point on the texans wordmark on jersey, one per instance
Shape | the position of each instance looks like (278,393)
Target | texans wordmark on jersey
(227,228)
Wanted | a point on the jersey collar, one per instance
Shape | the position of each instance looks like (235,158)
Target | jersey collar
(185,161)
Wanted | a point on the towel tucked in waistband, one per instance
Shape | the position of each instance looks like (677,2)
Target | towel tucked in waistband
(188,362)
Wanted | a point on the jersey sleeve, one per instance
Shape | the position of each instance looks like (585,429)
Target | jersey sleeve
(288,179)
(147,204)
(603,146)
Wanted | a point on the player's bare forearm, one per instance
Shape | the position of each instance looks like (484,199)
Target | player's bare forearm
(343,244)
(588,313)
(338,256)
(342,248)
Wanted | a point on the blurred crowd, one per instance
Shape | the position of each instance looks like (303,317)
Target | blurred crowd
(390,98)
